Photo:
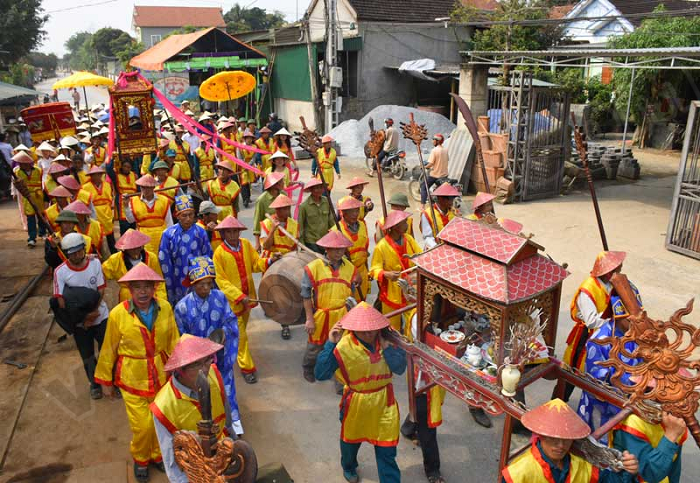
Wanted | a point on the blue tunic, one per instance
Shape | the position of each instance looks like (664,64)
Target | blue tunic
(201,317)
(176,249)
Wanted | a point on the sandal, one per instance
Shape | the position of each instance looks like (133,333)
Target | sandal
(286,333)
(250,377)
(436,479)
(140,473)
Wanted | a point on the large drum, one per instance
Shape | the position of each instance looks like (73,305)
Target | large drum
(281,285)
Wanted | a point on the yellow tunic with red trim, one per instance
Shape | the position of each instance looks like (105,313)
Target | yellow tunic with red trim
(169,194)
(650,433)
(530,467)
(359,252)
(146,162)
(177,411)
(135,354)
(283,148)
(247,176)
(287,175)
(51,213)
(281,242)
(380,228)
(126,185)
(388,256)
(442,219)
(595,290)
(223,196)
(330,289)
(185,173)
(234,273)
(33,183)
(83,196)
(325,163)
(50,184)
(206,162)
(83,177)
(369,408)
(114,268)
(95,232)
(215,239)
(229,149)
(98,155)
(102,200)
(150,221)
(268,146)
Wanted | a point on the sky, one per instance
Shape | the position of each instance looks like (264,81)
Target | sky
(66,17)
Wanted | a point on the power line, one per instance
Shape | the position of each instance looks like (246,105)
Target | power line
(81,6)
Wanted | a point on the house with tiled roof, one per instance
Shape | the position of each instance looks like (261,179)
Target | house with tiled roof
(153,23)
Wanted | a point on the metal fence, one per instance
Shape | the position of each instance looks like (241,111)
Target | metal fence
(683,234)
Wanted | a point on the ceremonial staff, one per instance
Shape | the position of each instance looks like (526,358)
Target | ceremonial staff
(376,142)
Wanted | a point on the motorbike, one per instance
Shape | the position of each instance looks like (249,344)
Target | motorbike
(394,163)
(417,181)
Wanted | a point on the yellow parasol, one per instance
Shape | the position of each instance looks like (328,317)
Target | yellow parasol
(82,79)
(227,85)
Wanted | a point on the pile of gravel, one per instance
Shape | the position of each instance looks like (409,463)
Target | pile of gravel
(352,134)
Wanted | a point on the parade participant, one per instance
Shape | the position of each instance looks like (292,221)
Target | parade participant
(77,167)
(397,202)
(445,197)
(389,260)
(208,219)
(150,212)
(437,164)
(181,149)
(103,200)
(60,197)
(69,146)
(201,312)
(176,406)
(53,253)
(80,270)
(184,105)
(31,176)
(90,228)
(283,142)
(206,156)
(325,162)
(56,170)
(228,131)
(266,144)
(126,185)
(273,122)
(325,286)
(273,185)
(45,153)
(79,194)
(279,162)
(355,230)
(132,251)
(193,140)
(356,186)
(223,191)
(161,171)
(243,176)
(391,141)
(179,244)
(555,426)
(148,160)
(315,215)
(95,154)
(590,309)
(483,204)
(235,262)
(274,241)
(141,334)
(365,363)
(252,126)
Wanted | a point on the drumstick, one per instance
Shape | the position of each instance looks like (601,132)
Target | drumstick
(261,301)
(295,240)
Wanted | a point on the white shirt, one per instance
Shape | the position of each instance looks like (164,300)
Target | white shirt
(587,311)
(90,276)
(427,231)
(193,141)
(44,164)
(130,215)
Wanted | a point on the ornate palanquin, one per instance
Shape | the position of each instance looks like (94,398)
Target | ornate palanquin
(132,108)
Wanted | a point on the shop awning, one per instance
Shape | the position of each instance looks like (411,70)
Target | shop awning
(10,91)
(208,41)
(204,63)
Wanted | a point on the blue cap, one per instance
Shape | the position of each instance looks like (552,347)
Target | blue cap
(183,203)
(199,269)
(170,153)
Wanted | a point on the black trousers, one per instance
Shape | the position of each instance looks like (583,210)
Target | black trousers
(578,351)
(110,243)
(427,437)
(85,340)
(245,192)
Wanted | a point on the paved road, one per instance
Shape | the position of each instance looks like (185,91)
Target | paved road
(95,94)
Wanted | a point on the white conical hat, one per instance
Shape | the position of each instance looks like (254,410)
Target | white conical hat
(46,147)
(283,131)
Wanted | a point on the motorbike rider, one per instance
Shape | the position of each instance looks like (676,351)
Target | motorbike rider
(391,140)
(437,164)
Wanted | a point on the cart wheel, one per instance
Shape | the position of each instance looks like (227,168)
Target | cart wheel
(414,189)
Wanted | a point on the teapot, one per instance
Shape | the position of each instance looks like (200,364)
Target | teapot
(473,354)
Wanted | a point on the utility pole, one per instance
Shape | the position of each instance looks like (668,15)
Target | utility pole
(333,75)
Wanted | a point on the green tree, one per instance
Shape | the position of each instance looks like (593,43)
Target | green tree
(20,75)
(21,31)
(130,51)
(241,19)
(80,55)
(47,62)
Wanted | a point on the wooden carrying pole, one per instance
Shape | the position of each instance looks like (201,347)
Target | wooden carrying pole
(168,188)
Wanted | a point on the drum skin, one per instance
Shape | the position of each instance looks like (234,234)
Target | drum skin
(281,284)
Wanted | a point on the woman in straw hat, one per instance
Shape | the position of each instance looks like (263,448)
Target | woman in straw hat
(365,362)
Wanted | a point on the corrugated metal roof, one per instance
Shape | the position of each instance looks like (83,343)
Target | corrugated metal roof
(460,150)
(582,52)
(9,91)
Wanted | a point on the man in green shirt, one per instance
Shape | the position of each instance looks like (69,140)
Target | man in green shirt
(273,186)
(315,216)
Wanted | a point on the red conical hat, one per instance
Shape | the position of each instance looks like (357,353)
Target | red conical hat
(349,203)
(272,179)
(606,262)
(446,189)
(265,130)
(313,182)
(482,199)
(60,192)
(334,239)
(96,170)
(356,181)
(78,207)
(190,349)
(282,201)
(56,168)
(147,180)
(394,218)
(364,317)
(141,273)
(69,182)
(132,239)
(230,223)
(226,165)
(556,420)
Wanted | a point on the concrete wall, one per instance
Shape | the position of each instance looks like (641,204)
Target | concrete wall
(346,17)
(290,110)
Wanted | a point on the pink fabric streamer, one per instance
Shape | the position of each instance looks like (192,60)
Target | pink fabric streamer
(290,191)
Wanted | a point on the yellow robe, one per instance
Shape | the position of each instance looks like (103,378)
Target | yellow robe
(169,194)
(150,221)
(33,182)
(185,173)
(369,408)
(268,146)
(98,154)
(247,176)
(114,268)
(330,290)
(206,162)
(441,219)
(215,240)
(388,257)
(51,213)
(95,232)
(102,200)
(224,196)
(287,175)
(359,254)
(126,185)
(380,228)
(530,467)
(325,165)
(281,242)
